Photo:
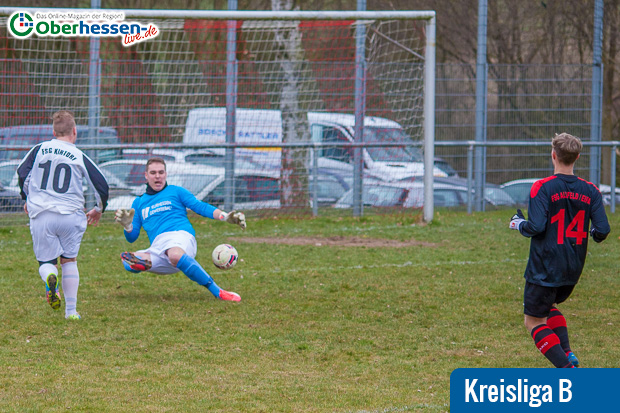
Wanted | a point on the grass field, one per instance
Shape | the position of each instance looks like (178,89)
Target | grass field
(319,328)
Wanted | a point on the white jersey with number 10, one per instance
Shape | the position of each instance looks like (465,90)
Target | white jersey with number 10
(51,177)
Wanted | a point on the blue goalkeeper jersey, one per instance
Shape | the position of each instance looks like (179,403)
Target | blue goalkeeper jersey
(560,211)
(165,211)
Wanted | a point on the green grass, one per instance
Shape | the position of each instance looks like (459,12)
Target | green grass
(319,328)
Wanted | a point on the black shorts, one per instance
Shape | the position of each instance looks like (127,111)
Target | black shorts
(538,300)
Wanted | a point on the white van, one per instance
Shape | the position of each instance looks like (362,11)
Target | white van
(208,125)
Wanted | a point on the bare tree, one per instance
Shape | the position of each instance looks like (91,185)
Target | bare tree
(293,175)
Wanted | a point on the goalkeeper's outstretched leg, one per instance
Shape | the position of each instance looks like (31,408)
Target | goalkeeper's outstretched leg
(194,271)
(173,260)
(135,263)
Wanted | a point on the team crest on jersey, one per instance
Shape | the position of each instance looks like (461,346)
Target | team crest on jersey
(155,209)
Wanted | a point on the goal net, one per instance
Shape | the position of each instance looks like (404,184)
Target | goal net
(294,80)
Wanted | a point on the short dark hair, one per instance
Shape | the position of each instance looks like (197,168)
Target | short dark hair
(63,122)
(567,148)
(155,160)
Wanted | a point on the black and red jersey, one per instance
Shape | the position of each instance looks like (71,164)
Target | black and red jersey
(560,210)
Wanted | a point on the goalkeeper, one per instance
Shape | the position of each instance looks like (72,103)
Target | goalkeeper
(162,211)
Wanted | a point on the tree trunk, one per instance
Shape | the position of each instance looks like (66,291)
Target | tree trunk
(294,170)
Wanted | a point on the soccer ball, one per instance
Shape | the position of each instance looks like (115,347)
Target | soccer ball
(225,256)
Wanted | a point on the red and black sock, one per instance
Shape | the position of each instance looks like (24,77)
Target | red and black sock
(557,323)
(549,344)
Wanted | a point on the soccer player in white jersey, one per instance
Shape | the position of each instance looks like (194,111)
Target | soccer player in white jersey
(50,178)
(162,212)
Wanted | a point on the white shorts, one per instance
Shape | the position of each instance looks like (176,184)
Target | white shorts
(55,234)
(163,242)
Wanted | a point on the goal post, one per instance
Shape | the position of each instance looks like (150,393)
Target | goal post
(429,119)
(295,63)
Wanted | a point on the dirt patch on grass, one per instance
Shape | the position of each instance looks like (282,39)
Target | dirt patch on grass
(339,241)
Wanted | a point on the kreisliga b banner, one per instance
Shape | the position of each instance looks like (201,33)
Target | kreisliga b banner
(526,390)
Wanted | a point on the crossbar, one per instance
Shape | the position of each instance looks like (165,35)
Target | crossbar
(241,15)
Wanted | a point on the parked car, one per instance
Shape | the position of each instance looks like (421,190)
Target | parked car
(30,135)
(8,174)
(606,193)
(10,201)
(331,185)
(200,156)
(520,190)
(493,194)
(376,194)
(405,194)
(449,195)
(254,189)
(129,175)
(446,196)
(258,126)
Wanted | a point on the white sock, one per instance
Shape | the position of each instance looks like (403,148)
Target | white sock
(47,269)
(70,284)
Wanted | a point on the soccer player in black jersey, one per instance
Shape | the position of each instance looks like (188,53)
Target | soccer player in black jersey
(561,208)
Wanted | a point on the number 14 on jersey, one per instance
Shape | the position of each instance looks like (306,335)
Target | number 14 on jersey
(575,228)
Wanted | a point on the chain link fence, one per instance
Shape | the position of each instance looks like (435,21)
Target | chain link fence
(167,97)
(525,103)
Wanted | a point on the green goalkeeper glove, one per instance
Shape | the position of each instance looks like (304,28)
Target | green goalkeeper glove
(234,217)
(125,218)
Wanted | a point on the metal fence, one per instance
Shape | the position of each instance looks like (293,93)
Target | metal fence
(525,103)
(328,190)
(145,96)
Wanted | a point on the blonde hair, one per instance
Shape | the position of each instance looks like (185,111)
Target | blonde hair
(567,148)
(63,122)
(155,160)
